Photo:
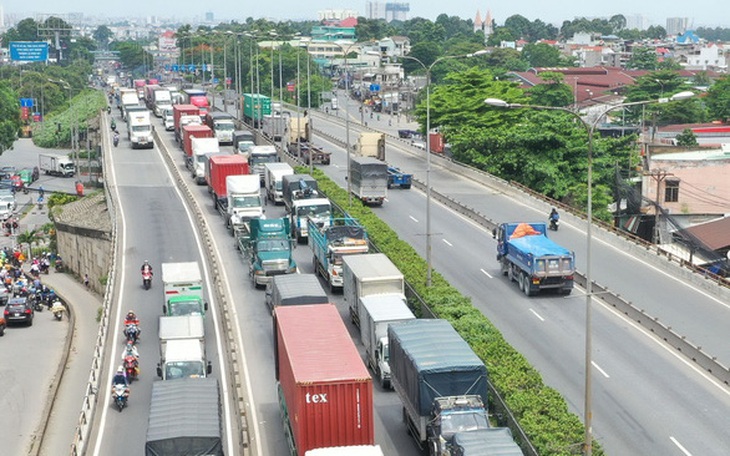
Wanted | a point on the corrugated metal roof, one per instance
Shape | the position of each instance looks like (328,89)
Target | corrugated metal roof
(715,235)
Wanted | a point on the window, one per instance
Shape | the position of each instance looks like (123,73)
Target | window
(671,191)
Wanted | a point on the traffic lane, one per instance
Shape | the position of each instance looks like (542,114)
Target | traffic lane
(29,359)
(549,331)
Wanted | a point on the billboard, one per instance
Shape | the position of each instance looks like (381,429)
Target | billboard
(29,51)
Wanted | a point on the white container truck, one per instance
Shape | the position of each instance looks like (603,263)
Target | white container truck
(128,100)
(139,129)
(369,274)
(244,201)
(56,165)
(201,147)
(182,285)
(259,156)
(183,358)
(273,178)
(179,328)
(163,100)
(377,312)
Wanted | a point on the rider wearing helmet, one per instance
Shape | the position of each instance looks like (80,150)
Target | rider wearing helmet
(554,215)
(120,377)
(146,267)
(130,350)
(131,319)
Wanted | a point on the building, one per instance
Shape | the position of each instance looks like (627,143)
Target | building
(336,14)
(485,26)
(390,11)
(637,22)
(677,25)
(332,33)
(710,56)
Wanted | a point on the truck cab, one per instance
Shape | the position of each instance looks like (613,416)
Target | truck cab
(184,305)
(318,210)
(269,249)
(452,415)
(244,203)
(183,358)
(259,156)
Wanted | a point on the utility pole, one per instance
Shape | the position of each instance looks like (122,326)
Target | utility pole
(659,176)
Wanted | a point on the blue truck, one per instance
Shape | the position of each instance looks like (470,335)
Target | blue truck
(397,178)
(528,257)
(331,242)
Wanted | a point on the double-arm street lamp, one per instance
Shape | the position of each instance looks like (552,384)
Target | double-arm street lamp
(428,148)
(590,129)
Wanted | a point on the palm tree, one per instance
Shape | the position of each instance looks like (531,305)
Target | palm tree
(28,237)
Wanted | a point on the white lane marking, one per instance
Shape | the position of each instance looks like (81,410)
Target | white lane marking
(486,273)
(679,445)
(537,315)
(413,218)
(447,243)
(603,372)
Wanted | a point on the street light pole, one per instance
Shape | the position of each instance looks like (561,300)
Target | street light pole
(347,120)
(590,129)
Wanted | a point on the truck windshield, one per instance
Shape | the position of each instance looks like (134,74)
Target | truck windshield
(261,159)
(313,211)
(273,245)
(245,146)
(451,423)
(223,126)
(246,201)
(141,128)
(185,308)
(184,369)
(68,166)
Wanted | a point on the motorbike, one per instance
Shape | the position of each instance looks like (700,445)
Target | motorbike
(131,332)
(554,224)
(131,366)
(36,302)
(147,280)
(120,394)
(59,265)
(58,310)
(115,140)
(44,267)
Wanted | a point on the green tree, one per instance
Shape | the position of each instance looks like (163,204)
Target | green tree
(506,59)
(718,99)
(103,35)
(553,92)
(9,116)
(618,22)
(25,30)
(656,32)
(500,34)
(519,26)
(643,58)
(542,55)
(686,138)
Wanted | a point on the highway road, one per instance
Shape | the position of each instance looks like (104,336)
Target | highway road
(154,225)
(647,399)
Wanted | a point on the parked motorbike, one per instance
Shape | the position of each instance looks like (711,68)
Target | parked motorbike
(120,394)
(131,366)
(58,310)
(146,280)
(554,224)
(131,332)
(59,265)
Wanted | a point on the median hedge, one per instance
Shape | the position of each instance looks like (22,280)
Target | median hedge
(541,411)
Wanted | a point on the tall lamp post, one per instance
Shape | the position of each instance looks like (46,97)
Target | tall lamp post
(428,149)
(590,129)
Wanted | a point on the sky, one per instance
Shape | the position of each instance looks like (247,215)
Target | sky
(701,12)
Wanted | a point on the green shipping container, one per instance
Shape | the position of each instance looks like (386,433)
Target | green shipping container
(255,106)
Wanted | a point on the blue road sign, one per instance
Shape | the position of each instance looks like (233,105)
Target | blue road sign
(29,51)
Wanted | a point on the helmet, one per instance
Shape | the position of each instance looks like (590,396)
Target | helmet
(120,370)
(131,314)
(146,262)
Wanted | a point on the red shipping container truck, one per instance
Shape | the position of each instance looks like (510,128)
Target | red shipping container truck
(219,167)
(180,110)
(436,142)
(325,390)
(194,131)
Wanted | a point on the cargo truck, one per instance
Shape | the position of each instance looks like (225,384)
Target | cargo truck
(149,95)
(440,381)
(128,100)
(222,125)
(325,391)
(182,284)
(183,358)
(274,126)
(269,250)
(139,129)
(369,180)
(526,255)
(358,450)
(259,156)
(161,100)
(179,328)
(255,106)
(178,111)
(197,98)
(298,133)
(303,202)
(243,141)
(369,274)
(295,290)
(377,312)
(219,168)
(244,203)
(201,147)
(485,442)
(185,418)
(331,243)
(371,144)
(273,180)
(56,165)
(188,133)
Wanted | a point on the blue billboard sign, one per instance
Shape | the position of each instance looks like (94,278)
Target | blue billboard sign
(26,102)
(29,51)
(375,87)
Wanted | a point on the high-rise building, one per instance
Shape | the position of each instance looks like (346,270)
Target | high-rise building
(637,22)
(336,14)
(209,16)
(395,11)
(677,25)
(374,10)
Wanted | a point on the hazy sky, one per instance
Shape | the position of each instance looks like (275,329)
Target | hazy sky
(702,12)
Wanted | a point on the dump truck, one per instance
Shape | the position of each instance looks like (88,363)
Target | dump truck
(371,144)
(369,274)
(295,290)
(269,250)
(377,312)
(526,255)
(218,170)
(369,180)
(325,391)
(185,418)
(485,442)
(182,285)
(273,180)
(441,382)
(330,243)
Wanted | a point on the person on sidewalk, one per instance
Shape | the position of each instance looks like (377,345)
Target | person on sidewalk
(86,281)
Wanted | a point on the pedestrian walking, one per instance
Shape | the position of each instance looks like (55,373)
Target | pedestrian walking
(86,281)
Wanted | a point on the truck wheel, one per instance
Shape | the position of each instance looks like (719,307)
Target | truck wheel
(520,285)
(510,273)
(526,285)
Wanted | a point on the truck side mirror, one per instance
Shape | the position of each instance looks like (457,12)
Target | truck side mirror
(494,233)
(209,368)
(164,309)
(159,371)
(205,306)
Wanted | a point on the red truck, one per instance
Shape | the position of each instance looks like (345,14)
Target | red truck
(436,142)
(139,87)
(194,131)
(178,111)
(325,390)
(218,168)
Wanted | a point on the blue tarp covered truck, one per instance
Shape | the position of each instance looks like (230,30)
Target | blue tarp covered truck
(536,263)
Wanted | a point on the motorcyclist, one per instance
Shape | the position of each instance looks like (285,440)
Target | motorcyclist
(131,319)
(115,138)
(146,268)
(130,350)
(120,377)
(553,218)
(114,125)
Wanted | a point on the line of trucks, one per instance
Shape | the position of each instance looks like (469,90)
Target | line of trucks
(324,387)
(192,425)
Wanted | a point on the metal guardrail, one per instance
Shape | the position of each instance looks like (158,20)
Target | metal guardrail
(88,406)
